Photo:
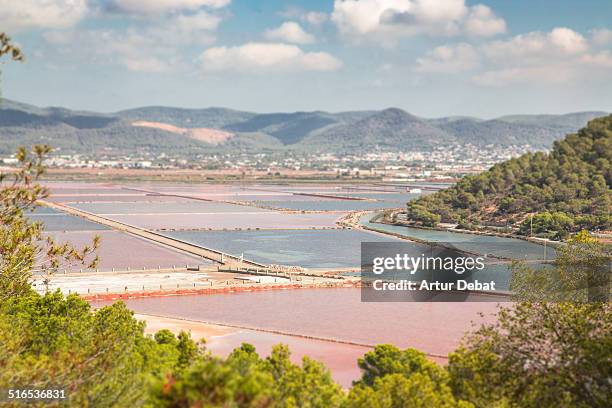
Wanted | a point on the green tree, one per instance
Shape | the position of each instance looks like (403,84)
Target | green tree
(401,378)
(246,380)
(537,355)
(419,214)
(581,272)
(8,48)
(399,391)
(310,385)
(387,359)
(556,225)
(101,359)
(23,247)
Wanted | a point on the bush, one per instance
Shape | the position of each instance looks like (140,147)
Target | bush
(554,225)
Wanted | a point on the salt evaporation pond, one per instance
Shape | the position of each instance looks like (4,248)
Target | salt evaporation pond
(94,189)
(115,198)
(122,251)
(481,244)
(393,197)
(180,207)
(331,205)
(337,314)
(43,211)
(256,219)
(317,249)
(307,248)
(65,222)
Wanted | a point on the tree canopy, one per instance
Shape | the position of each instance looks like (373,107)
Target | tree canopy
(565,190)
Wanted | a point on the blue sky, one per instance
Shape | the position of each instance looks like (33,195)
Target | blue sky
(430,57)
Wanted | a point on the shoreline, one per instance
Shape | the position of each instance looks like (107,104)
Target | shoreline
(486,232)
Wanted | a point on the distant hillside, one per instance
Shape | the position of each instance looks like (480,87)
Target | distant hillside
(571,120)
(215,118)
(479,132)
(197,131)
(568,189)
(206,135)
(390,128)
(288,128)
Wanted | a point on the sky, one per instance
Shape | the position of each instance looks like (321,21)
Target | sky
(432,58)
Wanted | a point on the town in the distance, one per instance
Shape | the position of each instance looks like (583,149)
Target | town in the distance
(390,144)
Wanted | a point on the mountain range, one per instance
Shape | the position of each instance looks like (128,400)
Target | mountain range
(197,131)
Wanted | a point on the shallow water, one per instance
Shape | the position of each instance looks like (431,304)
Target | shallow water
(330,314)
(65,222)
(392,197)
(116,198)
(180,207)
(94,189)
(120,251)
(307,248)
(498,246)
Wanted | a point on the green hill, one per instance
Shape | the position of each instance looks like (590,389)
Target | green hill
(76,131)
(549,194)
(390,129)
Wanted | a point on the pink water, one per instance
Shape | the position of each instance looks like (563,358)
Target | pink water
(338,314)
(120,251)
(339,358)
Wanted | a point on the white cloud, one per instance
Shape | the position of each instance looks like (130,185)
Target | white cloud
(150,45)
(558,56)
(482,22)
(314,18)
(18,15)
(536,47)
(362,17)
(601,59)
(201,21)
(266,57)
(165,6)
(155,47)
(198,28)
(556,74)
(449,59)
(146,64)
(602,36)
(291,32)
(567,41)
(130,49)
(393,19)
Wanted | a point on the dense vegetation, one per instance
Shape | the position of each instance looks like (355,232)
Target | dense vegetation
(537,355)
(565,190)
